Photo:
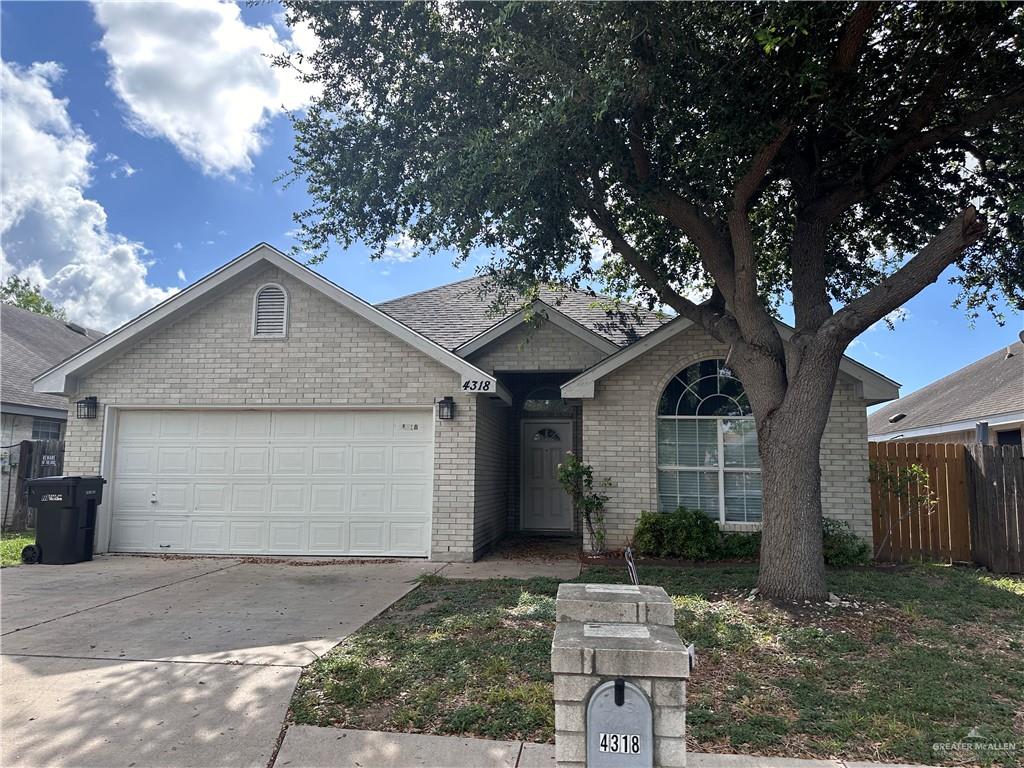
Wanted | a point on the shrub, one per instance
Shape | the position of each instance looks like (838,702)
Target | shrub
(577,479)
(740,546)
(842,546)
(685,533)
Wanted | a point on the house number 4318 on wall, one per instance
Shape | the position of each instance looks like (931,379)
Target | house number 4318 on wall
(476,385)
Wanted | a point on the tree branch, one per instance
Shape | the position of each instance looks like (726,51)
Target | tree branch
(906,282)
(715,322)
(854,34)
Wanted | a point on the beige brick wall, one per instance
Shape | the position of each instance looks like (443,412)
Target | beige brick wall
(619,437)
(543,348)
(331,357)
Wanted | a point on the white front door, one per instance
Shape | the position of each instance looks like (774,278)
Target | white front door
(297,482)
(545,505)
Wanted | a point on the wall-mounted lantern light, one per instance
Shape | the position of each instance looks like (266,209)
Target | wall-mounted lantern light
(86,408)
(446,408)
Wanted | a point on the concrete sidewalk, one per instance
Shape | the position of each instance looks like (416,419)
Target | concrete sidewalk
(307,746)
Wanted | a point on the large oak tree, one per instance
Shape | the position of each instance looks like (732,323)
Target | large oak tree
(839,157)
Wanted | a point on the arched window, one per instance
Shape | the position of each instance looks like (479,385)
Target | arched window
(707,445)
(270,312)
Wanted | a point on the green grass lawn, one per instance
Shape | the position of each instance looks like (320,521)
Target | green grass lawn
(926,654)
(11,544)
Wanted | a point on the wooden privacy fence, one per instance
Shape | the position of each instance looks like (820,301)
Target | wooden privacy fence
(24,461)
(949,503)
(919,515)
(995,480)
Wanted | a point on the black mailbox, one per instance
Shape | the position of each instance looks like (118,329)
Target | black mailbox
(65,518)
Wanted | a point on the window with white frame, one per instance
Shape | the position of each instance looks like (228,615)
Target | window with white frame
(270,312)
(707,446)
(46,429)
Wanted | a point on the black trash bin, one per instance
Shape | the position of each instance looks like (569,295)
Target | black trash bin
(65,518)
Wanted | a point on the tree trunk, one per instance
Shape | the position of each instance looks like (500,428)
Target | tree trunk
(792,565)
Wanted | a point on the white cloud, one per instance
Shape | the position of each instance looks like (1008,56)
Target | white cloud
(898,315)
(51,232)
(181,275)
(178,246)
(400,249)
(194,73)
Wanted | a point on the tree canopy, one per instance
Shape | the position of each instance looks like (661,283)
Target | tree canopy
(537,129)
(20,292)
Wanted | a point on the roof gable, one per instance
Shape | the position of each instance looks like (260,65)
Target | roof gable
(876,388)
(61,378)
(455,314)
(988,387)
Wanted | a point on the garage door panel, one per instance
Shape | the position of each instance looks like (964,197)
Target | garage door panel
(369,498)
(251,460)
(213,460)
(211,497)
(174,460)
(368,537)
(287,537)
(132,534)
(328,498)
(407,538)
(330,460)
(176,425)
(292,425)
(287,482)
(369,460)
(287,497)
(138,425)
(410,499)
(208,536)
(170,535)
(410,460)
(252,424)
(136,460)
(216,426)
(328,536)
(290,460)
(248,497)
(247,536)
(171,498)
(133,497)
(334,425)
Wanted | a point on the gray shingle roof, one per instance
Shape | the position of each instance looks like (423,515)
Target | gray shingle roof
(992,385)
(30,343)
(451,315)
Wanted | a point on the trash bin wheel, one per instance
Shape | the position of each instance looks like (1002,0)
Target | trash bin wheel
(31,554)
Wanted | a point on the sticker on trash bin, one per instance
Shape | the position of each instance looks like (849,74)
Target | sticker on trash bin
(51,497)
(635,631)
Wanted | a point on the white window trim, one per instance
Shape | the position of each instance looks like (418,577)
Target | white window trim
(719,467)
(255,302)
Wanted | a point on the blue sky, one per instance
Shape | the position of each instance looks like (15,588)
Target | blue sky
(141,147)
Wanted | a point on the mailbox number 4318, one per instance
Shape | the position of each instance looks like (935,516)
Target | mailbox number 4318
(620,743)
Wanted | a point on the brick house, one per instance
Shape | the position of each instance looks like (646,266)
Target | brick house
(264,409)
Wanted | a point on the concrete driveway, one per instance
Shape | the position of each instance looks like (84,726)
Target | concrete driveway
(141,661)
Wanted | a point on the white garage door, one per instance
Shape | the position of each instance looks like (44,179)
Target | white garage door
(274,482)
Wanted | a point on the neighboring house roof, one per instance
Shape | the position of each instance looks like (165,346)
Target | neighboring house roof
(30,343)
(61,378)
(876,388)
(982,391)
(454,314)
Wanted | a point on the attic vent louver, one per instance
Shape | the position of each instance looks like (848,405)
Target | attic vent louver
(270,312)
(897,417)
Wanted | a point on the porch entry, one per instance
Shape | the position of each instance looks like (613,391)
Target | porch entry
(545,506)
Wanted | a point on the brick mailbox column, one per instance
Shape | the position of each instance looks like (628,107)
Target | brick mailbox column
(606,632)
